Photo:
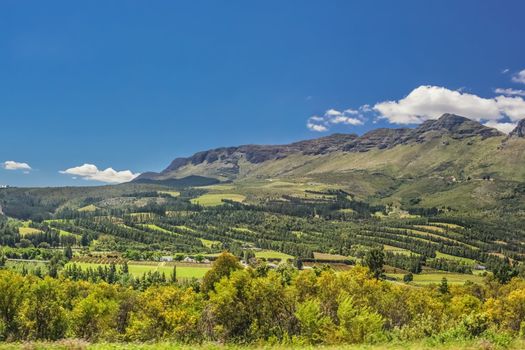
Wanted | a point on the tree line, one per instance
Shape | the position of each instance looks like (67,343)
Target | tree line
(253,305)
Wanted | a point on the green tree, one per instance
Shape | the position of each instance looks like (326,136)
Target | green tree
(167,312)
(357,324)
(97,313)
(409,277)
(173,277)
(124,268)
(374,259)
(504,271)
(443,286)
(223,266)
(12,294)
(298,263)
(42,314)
(313,324)
(68,252)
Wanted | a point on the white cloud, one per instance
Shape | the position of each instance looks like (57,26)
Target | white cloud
(519,77)
(505,71)
(316,127)
(503,127)
(91,172)
(331,113)
(513,107)
(510,92)
(12,165)
(430,102)
(334,117)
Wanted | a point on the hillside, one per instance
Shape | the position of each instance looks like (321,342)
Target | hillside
(451,161)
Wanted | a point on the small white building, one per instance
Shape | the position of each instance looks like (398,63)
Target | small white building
(188,260)
(166,258)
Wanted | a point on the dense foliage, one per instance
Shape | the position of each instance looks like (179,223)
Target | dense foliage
(249,305)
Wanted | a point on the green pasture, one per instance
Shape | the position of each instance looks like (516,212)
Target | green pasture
(453,257)
(436,277)
(272,254)
(213,199)
(137,270)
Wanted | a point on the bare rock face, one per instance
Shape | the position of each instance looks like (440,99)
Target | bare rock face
(519,131)
(454,126)
(226,160)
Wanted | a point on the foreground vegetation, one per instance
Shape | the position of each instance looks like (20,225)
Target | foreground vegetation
(255,305)
(140,266)
(474,344)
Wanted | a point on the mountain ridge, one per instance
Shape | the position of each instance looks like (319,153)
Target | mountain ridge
(227,161)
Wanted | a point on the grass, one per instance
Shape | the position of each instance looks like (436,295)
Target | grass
(213,199)
(396,250)
(157,228)
(66,233)
(436,277)
(325,256)
(27,230)
(272,254)
(88,208)
(171,193)
(137,270)
(453,257)
(67,344)
(29,266)
(208,243)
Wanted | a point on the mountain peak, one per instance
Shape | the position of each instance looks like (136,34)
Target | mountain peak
(519,130)
(227,163)
(457,127)
(450,122)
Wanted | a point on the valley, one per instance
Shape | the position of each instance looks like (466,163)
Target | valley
(425,219)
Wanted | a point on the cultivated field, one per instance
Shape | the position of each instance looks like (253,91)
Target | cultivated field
(213,199)
(137,269)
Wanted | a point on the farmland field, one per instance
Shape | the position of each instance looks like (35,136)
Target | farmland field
(271,254)
(27,230)
(136,269)
(436,277)
(213,199)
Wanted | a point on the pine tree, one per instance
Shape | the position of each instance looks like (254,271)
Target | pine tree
(374,260)
(125,268)
(68,252)
(173,277)
(443,287)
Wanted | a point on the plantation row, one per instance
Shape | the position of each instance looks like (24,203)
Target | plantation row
(295,227)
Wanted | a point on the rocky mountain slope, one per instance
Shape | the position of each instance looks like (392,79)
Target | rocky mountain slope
(451,159)
(226,162)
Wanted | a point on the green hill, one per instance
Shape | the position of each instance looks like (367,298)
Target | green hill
(453,162)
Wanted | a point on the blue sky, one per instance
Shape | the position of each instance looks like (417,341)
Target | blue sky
(130,85)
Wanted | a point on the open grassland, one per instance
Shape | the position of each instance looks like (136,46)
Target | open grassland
(137,270)
(272,254)
(475,344)
(453,257)
(325,256)
(28,266)
(171,193)
(28,230)
(213,199)
(436,277)
(396,250)
(88,208)
(208,243)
